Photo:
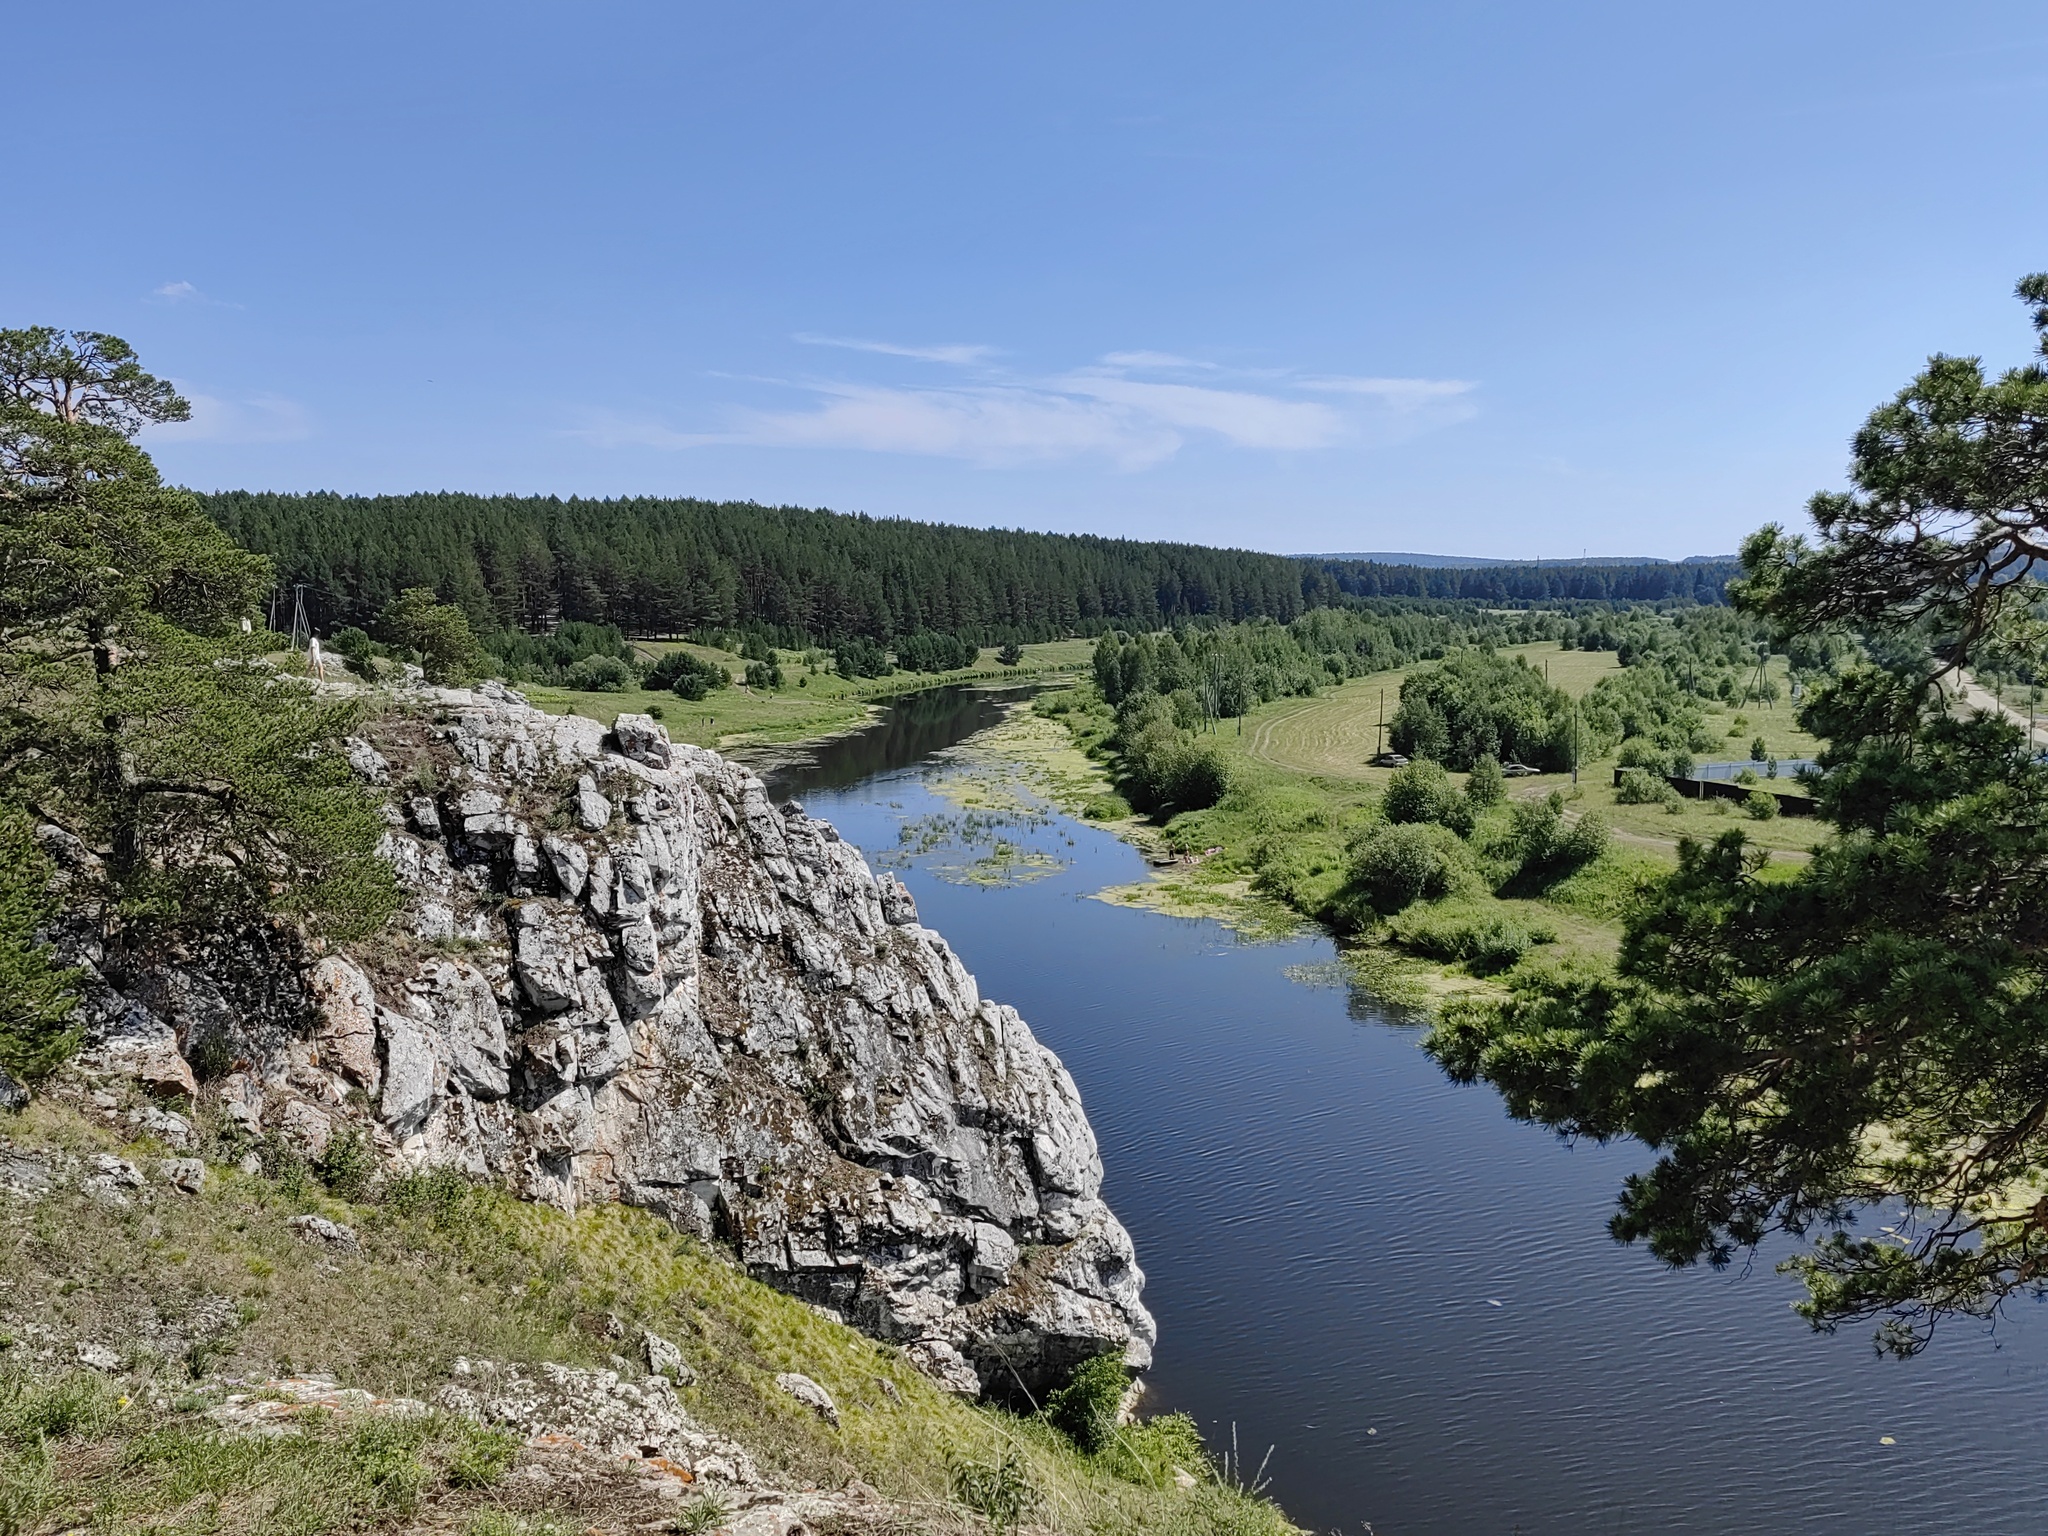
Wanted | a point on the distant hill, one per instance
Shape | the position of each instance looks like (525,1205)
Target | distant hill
(1700,580)
(1467,562)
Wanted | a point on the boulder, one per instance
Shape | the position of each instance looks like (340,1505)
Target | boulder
(643,739)
(325,1233)
(810,1394)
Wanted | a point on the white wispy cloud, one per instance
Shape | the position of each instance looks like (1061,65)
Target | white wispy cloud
(182,292)
(1132,409)
(246,419)
(1150,360)
(958,353)
(1400,392)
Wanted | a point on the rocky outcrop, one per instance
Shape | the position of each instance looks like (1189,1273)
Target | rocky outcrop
(626,975)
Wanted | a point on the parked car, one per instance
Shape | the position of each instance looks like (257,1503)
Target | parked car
(1518,771)
(1390,760)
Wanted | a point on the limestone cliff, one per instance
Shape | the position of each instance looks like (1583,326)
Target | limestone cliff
(624,974)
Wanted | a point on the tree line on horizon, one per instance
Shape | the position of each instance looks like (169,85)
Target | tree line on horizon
(678,567)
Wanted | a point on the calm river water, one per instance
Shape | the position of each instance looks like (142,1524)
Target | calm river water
(1411,1298)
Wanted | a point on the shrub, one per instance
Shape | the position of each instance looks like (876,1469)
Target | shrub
(764,674)
(1001,1492)
(600,674)
(1011,654)
(686,675)
(1760,804)
(1110,807)
(1540,847)
(1486,938)
(1639,786)
(481,1455)
(356,650)
(348,1166)
(1422,792)
(1486,786)
(1480,704)
(1085,1410)
(1393,865)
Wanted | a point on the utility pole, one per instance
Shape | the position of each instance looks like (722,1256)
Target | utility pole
(299,613)
(1380,739)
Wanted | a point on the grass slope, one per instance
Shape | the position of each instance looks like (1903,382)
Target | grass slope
(449,1269)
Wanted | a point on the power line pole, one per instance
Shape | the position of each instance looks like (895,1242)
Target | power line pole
(299,613)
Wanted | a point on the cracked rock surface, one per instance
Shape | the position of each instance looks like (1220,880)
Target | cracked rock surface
(629,976)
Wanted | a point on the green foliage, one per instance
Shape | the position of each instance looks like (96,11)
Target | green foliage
(35,993)
(435,633)
(134,711)
(1010,654)
(1485,786)
(1422,791)
(1660,761)
(1477,704)
(1540,846)
(928,651)
(1482,934)
(358,652)
(1638,786)
(686,675)
(550,658)
(860,657)
(1222,672)
(1085,1409)
(349,1164)
(599,674)
(764,674)
(703,1514)
(76,1405)
(1760,805)
(1936,540)
(1868,1030)
(480,1456)
(1162,765)
(1000,1491)
(1393,866)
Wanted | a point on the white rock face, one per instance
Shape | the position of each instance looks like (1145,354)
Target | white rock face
(707,1006)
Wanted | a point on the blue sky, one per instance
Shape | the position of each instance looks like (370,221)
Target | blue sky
(1483,279)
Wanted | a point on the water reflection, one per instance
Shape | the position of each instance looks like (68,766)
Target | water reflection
(908,730)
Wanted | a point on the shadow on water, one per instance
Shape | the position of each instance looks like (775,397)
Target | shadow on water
(909,730)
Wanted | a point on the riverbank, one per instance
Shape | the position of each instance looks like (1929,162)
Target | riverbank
(1275,852)
(814,702)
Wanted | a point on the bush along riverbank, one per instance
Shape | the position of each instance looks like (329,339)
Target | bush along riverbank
(1275,790)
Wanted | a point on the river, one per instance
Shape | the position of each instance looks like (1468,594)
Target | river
(1411,1298)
